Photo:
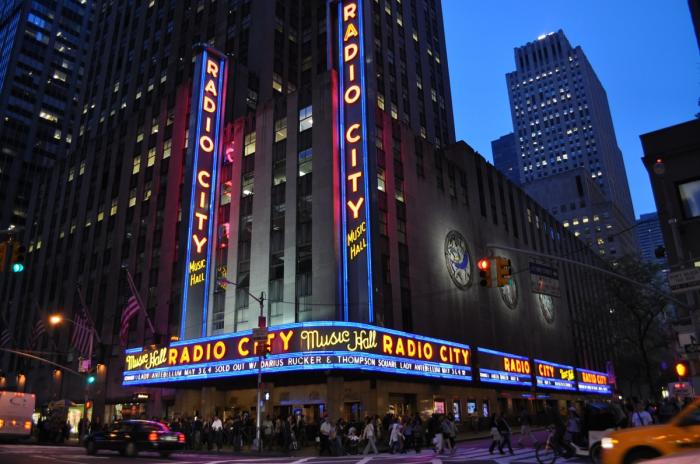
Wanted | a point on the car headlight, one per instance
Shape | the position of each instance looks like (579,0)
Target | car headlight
(608,442)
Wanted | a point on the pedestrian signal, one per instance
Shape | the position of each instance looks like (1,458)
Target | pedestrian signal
(485,272)
(503,271)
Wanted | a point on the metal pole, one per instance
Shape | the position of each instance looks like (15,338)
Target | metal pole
(258,408)
(87,384)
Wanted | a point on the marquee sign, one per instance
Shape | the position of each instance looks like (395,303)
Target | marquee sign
(199,197)
(356,266)
(554,376)
(593,382)
(301,346)
(504,368)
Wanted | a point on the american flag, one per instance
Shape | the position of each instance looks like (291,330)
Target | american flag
(5,335)
(38,330)
(128,313)
(82,332)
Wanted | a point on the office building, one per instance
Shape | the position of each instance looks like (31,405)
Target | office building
(561,121)
(505,157)
(342,200)
(651,240)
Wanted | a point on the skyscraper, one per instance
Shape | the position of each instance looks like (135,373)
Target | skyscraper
(650,238)
(505,157)
(561,121)
(342,209)
(43,47)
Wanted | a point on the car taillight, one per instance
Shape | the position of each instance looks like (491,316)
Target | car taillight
(27,425)
(2,423)
(153,436)
(180,438)
(14,423)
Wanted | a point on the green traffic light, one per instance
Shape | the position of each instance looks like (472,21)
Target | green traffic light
(17,267)
(91,379)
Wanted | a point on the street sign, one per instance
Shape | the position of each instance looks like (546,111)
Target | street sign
(684,280)
(544,279)
(681,390)
(84,365)
(259,333)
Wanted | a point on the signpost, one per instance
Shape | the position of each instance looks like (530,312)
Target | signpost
(684,280)
(681,390)
(544,279)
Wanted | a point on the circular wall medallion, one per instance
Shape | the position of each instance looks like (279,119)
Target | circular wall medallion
(458,260)
(509,294)
(546,304)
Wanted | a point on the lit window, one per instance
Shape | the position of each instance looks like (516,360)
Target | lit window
(306,120)
(57,134)
(305,160)
(280,129)
(277,82)
(249,144)
(167,148)
(247,185)
(59,75)
(71,174)
(596,218)
(154,126)
(380,101)
(48,116)
(113,209)
(132,197)
(82,168)
(151,157)
(566,224)
(139,137)
(575,222)
(100,216)
(137,165)
(585,219)
(381,180)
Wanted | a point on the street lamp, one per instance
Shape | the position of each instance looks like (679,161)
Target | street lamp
(262,325)
(55,319)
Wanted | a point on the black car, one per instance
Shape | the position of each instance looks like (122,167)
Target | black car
(131,436)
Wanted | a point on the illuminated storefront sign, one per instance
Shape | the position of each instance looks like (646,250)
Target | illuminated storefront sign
(554,376)
(593,382)
(199,198)
(355,233)
(301,346)
(505,368)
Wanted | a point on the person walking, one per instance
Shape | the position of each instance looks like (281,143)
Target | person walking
(395,437)
(418,433)
(369,435)
(217,430)
(641,417)
(526,428)
(324,433)
(449,434)
(504,430)
(495,435)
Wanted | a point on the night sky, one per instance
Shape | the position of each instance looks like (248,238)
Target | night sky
(644,52)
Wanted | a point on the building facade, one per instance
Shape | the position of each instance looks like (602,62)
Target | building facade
(505,157)
(650,238)
(561,120)
(286,201)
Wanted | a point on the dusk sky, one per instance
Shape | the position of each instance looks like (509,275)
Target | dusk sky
(644,52)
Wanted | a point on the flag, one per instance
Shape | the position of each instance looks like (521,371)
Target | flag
(128,313)
(5,335)
(82,332)
(38,330)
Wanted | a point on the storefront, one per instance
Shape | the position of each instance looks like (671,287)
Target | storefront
(351,370)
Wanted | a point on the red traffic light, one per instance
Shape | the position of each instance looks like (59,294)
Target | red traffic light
(484,264)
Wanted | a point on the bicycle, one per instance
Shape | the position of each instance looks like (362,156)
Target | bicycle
(550,450)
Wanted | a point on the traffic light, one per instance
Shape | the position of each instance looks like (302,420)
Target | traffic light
(90,379)
(263,349)
(681,369)
(17,263)
(485,272)
(503,271)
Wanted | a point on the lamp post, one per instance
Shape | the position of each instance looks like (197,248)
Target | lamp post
(56,319)
(261,325)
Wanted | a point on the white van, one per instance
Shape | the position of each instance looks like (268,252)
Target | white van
(16,411)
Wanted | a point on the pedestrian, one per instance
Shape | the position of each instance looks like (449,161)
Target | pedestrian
(449,434)
(217,429)
(369,435)
(640,417)
(324,432)
(504,430)
(418,433)
(407,434)
(526,428)
(395,437)
(573,425)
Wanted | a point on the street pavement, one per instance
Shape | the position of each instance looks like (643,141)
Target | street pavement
(471,451)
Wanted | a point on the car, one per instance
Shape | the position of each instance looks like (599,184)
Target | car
(691,457)
(632,445)
(129,437)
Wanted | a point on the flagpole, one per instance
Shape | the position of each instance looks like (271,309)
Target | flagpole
(89,317)
(138,298)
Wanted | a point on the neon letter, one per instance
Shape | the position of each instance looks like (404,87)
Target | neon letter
(353,178)
(198,242)
(349,11)
(352,94)
(206,143)
(200,178)
(355,207)
(387,344)
(219,350)
(212,68)
(353,157)
(202,217)
(210,87)
(350,52)
(350,32)
(348,134)
(208,104)
(242,351)
(285,339)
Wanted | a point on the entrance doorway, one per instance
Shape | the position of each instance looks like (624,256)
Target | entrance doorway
(402,404)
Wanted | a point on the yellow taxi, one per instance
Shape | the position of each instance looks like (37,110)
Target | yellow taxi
(637,444)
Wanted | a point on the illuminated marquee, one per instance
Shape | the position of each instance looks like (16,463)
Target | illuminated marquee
(554,376)
(505,368)
(301,346)
(593,382)
(355,234)
(199,198)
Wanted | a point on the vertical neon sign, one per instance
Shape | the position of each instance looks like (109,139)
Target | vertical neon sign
(355,218)
(201,176)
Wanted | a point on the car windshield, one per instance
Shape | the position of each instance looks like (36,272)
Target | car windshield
(154,427)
